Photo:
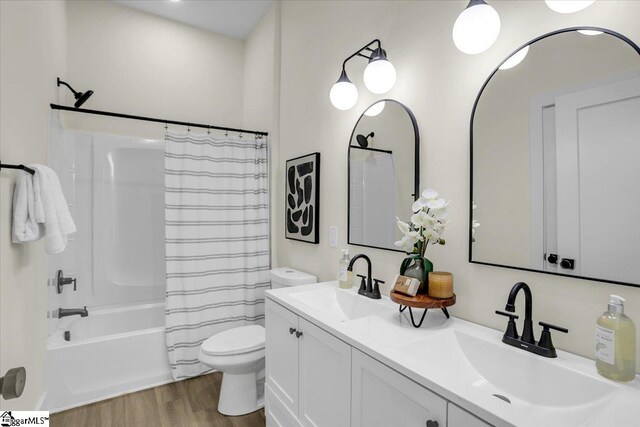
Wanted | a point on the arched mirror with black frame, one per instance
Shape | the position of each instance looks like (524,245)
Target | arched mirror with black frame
(555,146)
(383,174)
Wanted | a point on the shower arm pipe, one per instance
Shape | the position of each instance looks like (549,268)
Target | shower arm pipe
(367,48)
(60,82)
(371,149)
(152,119)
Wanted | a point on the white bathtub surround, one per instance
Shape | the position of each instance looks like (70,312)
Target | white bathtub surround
(430,372)
(111,352)
(24,227)
(217,240)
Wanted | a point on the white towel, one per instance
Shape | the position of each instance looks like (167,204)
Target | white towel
(51,209)
(25,228)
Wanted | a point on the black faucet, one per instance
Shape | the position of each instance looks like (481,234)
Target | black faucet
(64,312)
(368,290)
(527,331)
(527,342)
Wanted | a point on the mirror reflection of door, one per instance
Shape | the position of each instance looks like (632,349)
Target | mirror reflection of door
(590,140)
(383,174)
(555,146)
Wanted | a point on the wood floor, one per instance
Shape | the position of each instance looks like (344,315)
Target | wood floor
(187,403)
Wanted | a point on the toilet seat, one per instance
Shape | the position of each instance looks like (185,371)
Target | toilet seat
(244,339)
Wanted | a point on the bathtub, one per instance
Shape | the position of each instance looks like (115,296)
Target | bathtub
(111,352)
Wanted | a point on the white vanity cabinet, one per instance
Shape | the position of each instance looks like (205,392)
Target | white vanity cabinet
(381,397)
(308,373)
(315,379)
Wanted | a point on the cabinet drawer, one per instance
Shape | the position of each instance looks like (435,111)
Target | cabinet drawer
(382,397)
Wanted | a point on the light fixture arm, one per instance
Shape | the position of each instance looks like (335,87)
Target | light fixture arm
(367,48)
(60,82)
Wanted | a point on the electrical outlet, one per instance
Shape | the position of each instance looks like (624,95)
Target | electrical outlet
(333,236)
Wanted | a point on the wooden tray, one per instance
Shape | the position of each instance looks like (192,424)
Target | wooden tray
(422,301)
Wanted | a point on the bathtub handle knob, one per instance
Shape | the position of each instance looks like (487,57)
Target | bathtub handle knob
(62,281)
(291,331)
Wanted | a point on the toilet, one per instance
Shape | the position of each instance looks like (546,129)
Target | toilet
(239,354)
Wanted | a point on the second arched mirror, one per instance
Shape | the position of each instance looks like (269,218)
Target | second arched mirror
(384,173)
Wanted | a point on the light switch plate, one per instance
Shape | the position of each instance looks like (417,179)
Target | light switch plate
(333,236)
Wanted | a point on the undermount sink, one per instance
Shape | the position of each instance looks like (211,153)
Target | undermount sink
(339,304)
(517,377)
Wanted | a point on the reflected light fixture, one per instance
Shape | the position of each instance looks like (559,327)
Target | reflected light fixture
(476,28)
(379,77)
(568,6)
(515,59)
(375,109)
(590,32)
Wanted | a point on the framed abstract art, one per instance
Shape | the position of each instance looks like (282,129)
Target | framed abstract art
(302,198)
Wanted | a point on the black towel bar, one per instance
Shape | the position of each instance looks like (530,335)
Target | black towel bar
(23,167)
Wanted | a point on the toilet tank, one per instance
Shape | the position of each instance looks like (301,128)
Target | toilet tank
(285,276)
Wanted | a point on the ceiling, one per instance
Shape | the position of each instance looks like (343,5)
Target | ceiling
(233,18)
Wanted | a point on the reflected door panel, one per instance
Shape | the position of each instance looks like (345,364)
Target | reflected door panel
(598,152)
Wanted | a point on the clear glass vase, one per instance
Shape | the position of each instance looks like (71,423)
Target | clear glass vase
(419,268)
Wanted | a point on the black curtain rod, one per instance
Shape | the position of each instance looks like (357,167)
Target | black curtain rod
(371,149)
(151,119)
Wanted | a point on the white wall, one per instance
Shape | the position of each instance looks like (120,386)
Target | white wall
(32,54)
(262,92)
(142,64)
(439,83)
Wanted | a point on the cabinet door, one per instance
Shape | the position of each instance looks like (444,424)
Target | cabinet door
(383,397)
(282,354)
(325,378)
(458,417)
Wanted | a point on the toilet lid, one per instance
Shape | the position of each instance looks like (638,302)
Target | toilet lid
(235,341)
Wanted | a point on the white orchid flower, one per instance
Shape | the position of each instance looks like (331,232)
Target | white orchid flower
(437,203)
(422,219)
(439,214)
(419,204)
(440,227)
(429,194)
(414,236)
(405,244)
(431,235)
(474,224)
(403,226)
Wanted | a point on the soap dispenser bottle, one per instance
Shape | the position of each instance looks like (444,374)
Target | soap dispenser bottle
(345,276)
(616,343)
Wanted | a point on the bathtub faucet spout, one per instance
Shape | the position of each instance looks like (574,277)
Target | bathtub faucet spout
(63,312)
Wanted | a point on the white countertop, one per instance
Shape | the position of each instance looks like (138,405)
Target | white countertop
(415,352)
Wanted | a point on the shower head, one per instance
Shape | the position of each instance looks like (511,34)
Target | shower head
(81,97)
(363,141)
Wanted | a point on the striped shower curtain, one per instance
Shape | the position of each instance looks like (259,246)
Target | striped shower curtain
(217,240)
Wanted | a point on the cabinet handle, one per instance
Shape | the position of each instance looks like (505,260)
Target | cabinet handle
(292,330)
(432,423)
(298,334)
